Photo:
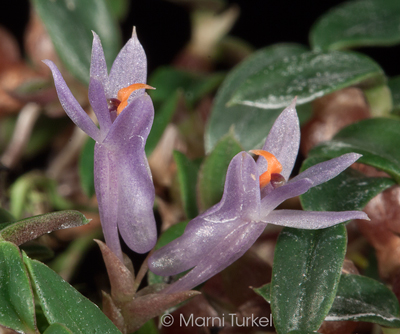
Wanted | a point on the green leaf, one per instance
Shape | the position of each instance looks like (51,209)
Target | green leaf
(394,85)
(30,228)
(187,176)
(264,291)
(376,139)
(211,180)
(358,23)
(119,8)
(161,119)
(148,328)
(32,189)
(167,80)
(300,332)
(350,190)
(251,124)
(5,217)
(305,276)
(172,233)
(37,251)
(61,303)
(57,329)
(17,309)
(308,76)
(361,298)
(86,167)
(69,24)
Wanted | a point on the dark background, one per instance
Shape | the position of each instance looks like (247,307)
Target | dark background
(164,27)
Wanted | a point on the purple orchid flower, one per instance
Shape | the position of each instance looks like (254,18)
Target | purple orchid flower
(123,182)
(223,233)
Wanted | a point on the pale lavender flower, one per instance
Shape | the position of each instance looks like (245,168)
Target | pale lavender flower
(222,234)
(123,182)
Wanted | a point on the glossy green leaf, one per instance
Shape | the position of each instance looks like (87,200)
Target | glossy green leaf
(167,80)
(358,23)
(211,179)
(350,190)
(17,309)
(376,139)
(57,329)
(187,176)
(86,167)
(162,118)
(361,298)
(172,233)
(308,76)
(30,228)
(305,276)
(63,304)
(251,124)
(300,332)
(264,291)
(69,24)
(394,85)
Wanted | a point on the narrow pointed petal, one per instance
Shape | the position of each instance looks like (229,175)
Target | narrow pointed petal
(276,197)
(98,101)
(106,186)
(199,237)
(225,252)
(327,170)
(241,196)
(283,141)
(129,67)
(98,66)
(312,220)
(71,105)
(126,140)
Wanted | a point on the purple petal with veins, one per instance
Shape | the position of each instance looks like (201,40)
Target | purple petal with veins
(99,104)
(283,141)
(327,170)
(98,66)
(129,67)
(312,220)
(71,105)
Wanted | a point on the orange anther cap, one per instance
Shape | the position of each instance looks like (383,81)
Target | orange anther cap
(124,93)
(274,166)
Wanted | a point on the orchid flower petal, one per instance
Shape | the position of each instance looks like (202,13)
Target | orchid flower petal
(199,237)
(241,195)
(129,67)
(98,66)
(134,121)
(276,197)
(71,105)
(327,170)
(136,221)
(98,101)
(225,252)
(283,141)
(106,186)
(126,139)
(312,220)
